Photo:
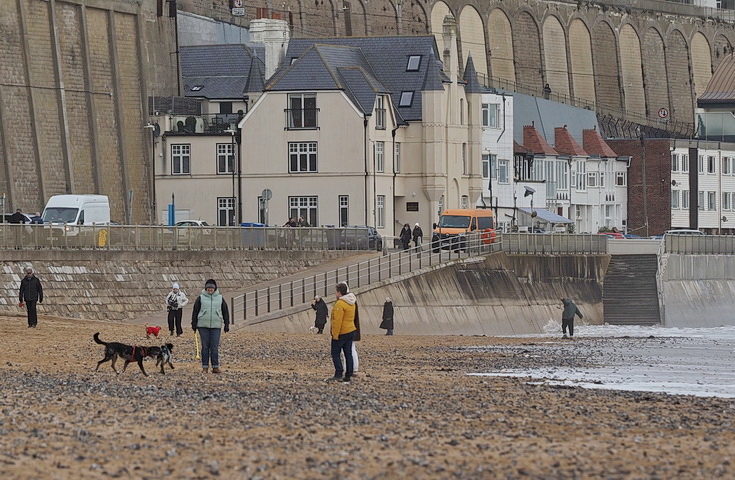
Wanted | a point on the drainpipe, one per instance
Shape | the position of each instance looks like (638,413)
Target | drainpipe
(393,222)
(365,146)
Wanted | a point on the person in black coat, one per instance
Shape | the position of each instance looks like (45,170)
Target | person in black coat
(387,323)
(30,293)
(405,236)
(567,316)
(321,313)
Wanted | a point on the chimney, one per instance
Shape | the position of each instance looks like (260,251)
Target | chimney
(274,34)
(449,55)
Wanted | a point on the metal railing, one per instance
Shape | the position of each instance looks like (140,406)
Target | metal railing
(142,237)
(555,243)
(294,293)
(700,244)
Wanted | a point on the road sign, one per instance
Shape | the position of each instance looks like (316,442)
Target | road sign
(663,112)
(267,194)
(238,12)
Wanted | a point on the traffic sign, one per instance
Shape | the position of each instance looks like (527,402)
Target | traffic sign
(663,112)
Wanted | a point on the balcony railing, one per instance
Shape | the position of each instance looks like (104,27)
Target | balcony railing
(302,118)
(208,123)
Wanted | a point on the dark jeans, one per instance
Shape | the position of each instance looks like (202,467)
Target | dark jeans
(344,344)
(174,319)
(32,315)
(567,323)
(210,346)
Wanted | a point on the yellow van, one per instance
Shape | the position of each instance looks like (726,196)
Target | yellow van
(455,224)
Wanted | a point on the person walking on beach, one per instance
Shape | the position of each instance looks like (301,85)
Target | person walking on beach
(343,332)
(321,313)
(567,317)
(405,236)
(387,323)
(175,301)
(209,314)
(31,292)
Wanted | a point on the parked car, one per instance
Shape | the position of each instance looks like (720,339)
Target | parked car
(683,231)
(192,223)
(374,241)
(616,235)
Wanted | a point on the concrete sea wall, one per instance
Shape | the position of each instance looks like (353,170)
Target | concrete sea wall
(502,294)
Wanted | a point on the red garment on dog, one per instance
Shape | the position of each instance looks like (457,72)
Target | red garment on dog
(152,331)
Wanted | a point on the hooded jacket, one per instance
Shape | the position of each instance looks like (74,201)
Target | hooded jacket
(343,315)
(210,311)
(31,289)
(321,313)
(570,310)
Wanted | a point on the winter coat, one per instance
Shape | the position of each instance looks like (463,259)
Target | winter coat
(387,323)
(210,311)
(343,315)
(178,299)
(405,235)
(417,233)
(30,289)
(321,313)
(570,310)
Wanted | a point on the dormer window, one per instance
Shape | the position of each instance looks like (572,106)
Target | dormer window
(406,99)
(414,63)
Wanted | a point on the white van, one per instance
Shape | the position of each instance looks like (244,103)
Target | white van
(77,210)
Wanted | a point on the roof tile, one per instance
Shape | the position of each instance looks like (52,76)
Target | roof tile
(565,144)
(595,145)
(535,142)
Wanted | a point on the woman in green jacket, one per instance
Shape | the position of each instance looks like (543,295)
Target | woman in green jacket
(210,313)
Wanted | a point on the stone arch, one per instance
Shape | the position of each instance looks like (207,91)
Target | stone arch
(580,52)
(701,63)
(472,39)
(605,61)
(527,52)
(384,17)
(631,71)
(655,78)
(500,38)
(722,47)
(438,12)
(414,20)
(555,56)
(677,62)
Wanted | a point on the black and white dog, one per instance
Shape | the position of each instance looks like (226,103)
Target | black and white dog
(129,353)
(164,354)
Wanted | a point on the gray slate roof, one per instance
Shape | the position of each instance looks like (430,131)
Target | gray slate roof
(225,72)
(379,67)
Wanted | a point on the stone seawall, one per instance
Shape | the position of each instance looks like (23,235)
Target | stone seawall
(501,294)
(125,285)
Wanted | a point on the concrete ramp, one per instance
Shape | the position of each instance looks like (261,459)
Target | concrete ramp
(498,295)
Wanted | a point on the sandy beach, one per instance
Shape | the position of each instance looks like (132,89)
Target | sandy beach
(416,410)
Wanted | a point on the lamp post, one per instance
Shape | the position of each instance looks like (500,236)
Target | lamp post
(529,192)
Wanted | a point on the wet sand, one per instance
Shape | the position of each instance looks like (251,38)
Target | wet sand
(412,412)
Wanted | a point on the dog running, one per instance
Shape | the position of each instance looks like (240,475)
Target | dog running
(129,353)
(163,355)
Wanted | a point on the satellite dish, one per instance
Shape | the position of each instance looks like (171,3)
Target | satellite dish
(533,214)
(156,130)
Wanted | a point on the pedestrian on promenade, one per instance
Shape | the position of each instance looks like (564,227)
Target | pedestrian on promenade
(321,313)
(343,332)
(209,315)
(567,316)
(31,292)
(387,323)
(405,236)
(418,235)
(175,302)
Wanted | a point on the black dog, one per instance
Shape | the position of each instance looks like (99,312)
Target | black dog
(163,355)
(129,353)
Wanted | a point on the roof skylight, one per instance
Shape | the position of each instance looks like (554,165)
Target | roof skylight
(414,63)
(406,99)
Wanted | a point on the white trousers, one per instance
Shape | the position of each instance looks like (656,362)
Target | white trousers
(355,360)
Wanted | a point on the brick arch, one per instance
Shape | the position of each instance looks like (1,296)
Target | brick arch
(438,12)
(655,77)
(722,47)
(580,56)
(631,71)
(555,55)
(472,39)
(605,61)
(414,19)
(527,51)
(500,45)
(677,63)
(384,17)
(701,63)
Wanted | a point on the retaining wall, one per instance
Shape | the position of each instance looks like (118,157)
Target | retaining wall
(125,285)
(501,294)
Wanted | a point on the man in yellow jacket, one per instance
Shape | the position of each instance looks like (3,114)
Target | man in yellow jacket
(343,331)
